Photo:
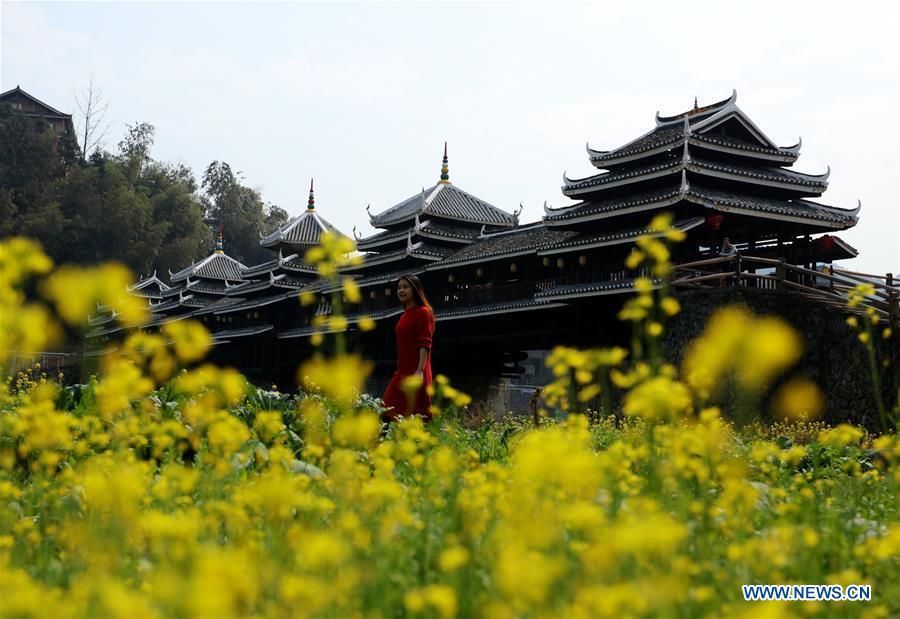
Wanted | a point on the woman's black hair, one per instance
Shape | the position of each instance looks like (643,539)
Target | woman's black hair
(418,292)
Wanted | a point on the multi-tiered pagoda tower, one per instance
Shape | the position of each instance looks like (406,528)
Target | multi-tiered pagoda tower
(420,232)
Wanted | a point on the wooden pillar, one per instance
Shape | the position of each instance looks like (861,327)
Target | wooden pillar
(751,249)
(809,252)
(893,312)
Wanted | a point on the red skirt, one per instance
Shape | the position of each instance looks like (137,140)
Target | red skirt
(397,403)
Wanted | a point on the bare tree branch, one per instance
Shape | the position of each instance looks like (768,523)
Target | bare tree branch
(91,115)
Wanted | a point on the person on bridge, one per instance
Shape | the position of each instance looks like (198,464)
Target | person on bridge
(414,332)
(729,251)
(727,248)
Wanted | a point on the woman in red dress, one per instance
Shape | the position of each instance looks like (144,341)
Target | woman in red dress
(414,332)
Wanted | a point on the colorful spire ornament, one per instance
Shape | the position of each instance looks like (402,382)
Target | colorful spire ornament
(311,205)
(220,245)
(445,170)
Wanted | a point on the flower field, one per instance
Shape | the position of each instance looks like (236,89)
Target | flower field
(168,487)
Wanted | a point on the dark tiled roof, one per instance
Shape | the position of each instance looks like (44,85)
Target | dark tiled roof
(382,238)
(381,278)
(351,319)
(514,242)
(292,283)
(215,266)
(149,287)
(421,250)
(619,177)
(735,144)
(433,228)
(658,138)
(847,248)
(262,269)
(172,292)
(613,205)
(248,287)
(299,266)
(219,304)
(242,332)
(671,130)
(784,178)
(302,232)
(247,304)
(585,290)
(773,175)
(373,259)
(207,286)
(493,308)
(102,320)
(613,238)
(804,209)
(700,113)
(451,231)
(165,305)
(198,301)
(102,331)
(444,201)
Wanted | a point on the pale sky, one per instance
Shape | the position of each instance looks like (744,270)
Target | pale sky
(362,95)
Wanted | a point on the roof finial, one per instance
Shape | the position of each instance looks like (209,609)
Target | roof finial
(311,205)
(695,103)
(220,245)
(445,170)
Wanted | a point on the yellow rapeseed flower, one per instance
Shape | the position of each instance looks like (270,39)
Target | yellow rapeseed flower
(357,431)
(670,306)
(799,399)
(340,377)
(657,399)
(351,290)
(841,435)
(453,558)
(190,339)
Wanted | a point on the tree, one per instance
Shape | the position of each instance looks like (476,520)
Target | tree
(135,147)
(274,217)
(239,209)
(179,231)
(30,165)
(91,116)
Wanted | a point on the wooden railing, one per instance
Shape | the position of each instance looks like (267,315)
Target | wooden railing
(831,288)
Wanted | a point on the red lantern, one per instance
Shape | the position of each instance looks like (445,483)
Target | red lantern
(715,221)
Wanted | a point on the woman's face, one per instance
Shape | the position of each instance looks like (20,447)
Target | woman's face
(404,292)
